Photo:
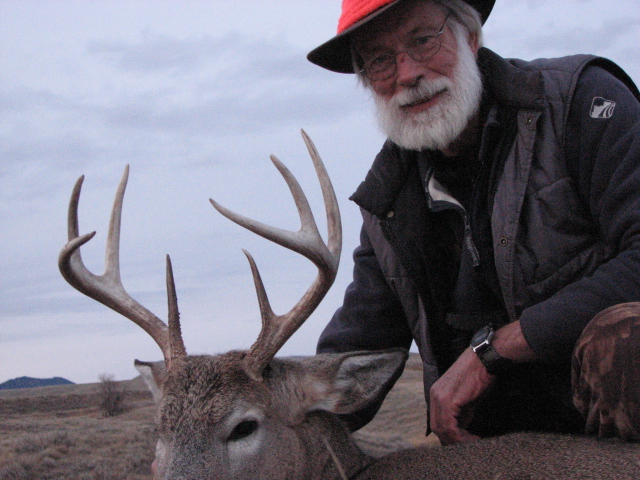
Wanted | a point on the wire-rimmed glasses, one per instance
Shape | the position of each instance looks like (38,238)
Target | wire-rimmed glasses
(421,49)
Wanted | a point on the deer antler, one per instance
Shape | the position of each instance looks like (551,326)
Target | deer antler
(107,288)
(277,329)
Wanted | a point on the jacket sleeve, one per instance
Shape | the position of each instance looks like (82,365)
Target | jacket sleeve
(371,316)
(604,153)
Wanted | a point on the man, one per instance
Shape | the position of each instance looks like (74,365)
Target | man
(500,217)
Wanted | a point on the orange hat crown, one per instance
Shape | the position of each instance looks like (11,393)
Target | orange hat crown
(355,10)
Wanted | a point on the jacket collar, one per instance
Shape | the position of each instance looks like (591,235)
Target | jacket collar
(508,84)
(384,181)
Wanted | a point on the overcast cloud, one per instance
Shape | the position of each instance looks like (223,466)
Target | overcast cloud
(194,96)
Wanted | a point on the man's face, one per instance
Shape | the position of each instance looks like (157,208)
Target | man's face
(423,104)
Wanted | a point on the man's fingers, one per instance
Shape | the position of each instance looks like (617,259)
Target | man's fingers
(448,421)
(444,421)
(455,434)
(463,436)
(448,429)
(453,396)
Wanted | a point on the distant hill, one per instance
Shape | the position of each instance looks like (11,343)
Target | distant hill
(28,382)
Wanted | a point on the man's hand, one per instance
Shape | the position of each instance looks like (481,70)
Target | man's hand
(451,398)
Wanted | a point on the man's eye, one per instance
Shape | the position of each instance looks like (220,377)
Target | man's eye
(422,41)
(379,61)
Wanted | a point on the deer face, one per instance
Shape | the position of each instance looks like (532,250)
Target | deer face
(215,422)
(242,414)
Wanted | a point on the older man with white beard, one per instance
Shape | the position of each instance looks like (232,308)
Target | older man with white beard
(501,224)
(439,125)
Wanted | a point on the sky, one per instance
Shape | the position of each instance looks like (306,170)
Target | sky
(195,96)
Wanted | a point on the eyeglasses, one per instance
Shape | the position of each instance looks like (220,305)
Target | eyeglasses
(421,49)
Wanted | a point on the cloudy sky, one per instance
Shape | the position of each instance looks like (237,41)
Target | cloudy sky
(194,96)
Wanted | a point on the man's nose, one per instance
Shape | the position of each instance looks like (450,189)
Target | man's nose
(408,70)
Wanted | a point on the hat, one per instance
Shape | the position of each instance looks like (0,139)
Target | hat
(335,55)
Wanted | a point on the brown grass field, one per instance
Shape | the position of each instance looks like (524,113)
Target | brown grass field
(60,433)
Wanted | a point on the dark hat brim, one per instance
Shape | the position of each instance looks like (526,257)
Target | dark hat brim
(335,54)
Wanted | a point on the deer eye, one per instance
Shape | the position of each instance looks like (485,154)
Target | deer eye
(243,430)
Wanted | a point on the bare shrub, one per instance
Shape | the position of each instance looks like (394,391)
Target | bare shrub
(112,396)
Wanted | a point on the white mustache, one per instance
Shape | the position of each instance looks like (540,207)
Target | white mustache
(424,90)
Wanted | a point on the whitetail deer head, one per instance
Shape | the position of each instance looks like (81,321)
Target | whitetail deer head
(247,415)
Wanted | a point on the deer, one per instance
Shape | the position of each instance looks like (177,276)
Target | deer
(252,415)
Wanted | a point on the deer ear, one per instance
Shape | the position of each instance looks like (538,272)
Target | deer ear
(361,379)
(154,375)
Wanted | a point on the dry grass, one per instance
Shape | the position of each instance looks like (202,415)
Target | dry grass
(60,432)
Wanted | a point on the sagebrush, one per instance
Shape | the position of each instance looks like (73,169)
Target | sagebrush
(112,396)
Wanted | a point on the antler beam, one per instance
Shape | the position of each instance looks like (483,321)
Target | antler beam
(277,329)
(107,288)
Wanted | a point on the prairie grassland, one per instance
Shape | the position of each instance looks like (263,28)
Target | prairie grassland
(46,434)
(59,432)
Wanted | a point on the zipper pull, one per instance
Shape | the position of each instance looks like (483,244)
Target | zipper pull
(470,244)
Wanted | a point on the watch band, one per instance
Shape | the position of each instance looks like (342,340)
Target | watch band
(481,345)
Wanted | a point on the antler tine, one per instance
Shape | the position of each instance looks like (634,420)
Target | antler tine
(176,344)
(107,288)
(334,224)
(277,329)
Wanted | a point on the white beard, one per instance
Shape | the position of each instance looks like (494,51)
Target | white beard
(438,126)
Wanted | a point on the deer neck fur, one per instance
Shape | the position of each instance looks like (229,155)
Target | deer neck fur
(325,436)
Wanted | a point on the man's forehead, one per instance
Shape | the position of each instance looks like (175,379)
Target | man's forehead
(404,18)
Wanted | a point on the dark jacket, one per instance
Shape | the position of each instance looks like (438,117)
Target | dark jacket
(562,142)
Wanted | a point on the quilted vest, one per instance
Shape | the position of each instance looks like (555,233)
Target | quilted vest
(534,184)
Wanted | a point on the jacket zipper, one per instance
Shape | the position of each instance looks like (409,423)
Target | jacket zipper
(468,240)
(444,203)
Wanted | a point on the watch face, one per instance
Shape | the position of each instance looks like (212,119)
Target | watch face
(481,345)
(480,336)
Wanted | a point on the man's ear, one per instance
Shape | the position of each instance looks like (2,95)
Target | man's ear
(154,375)
(353,381)
(474,44)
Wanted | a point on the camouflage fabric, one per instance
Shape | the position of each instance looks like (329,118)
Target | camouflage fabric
(606,373)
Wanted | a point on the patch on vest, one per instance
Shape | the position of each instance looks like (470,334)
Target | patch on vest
(602,108)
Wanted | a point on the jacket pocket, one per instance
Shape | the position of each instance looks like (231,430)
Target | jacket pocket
(582,265)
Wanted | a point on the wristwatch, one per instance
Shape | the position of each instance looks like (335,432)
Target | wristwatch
(481,345)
